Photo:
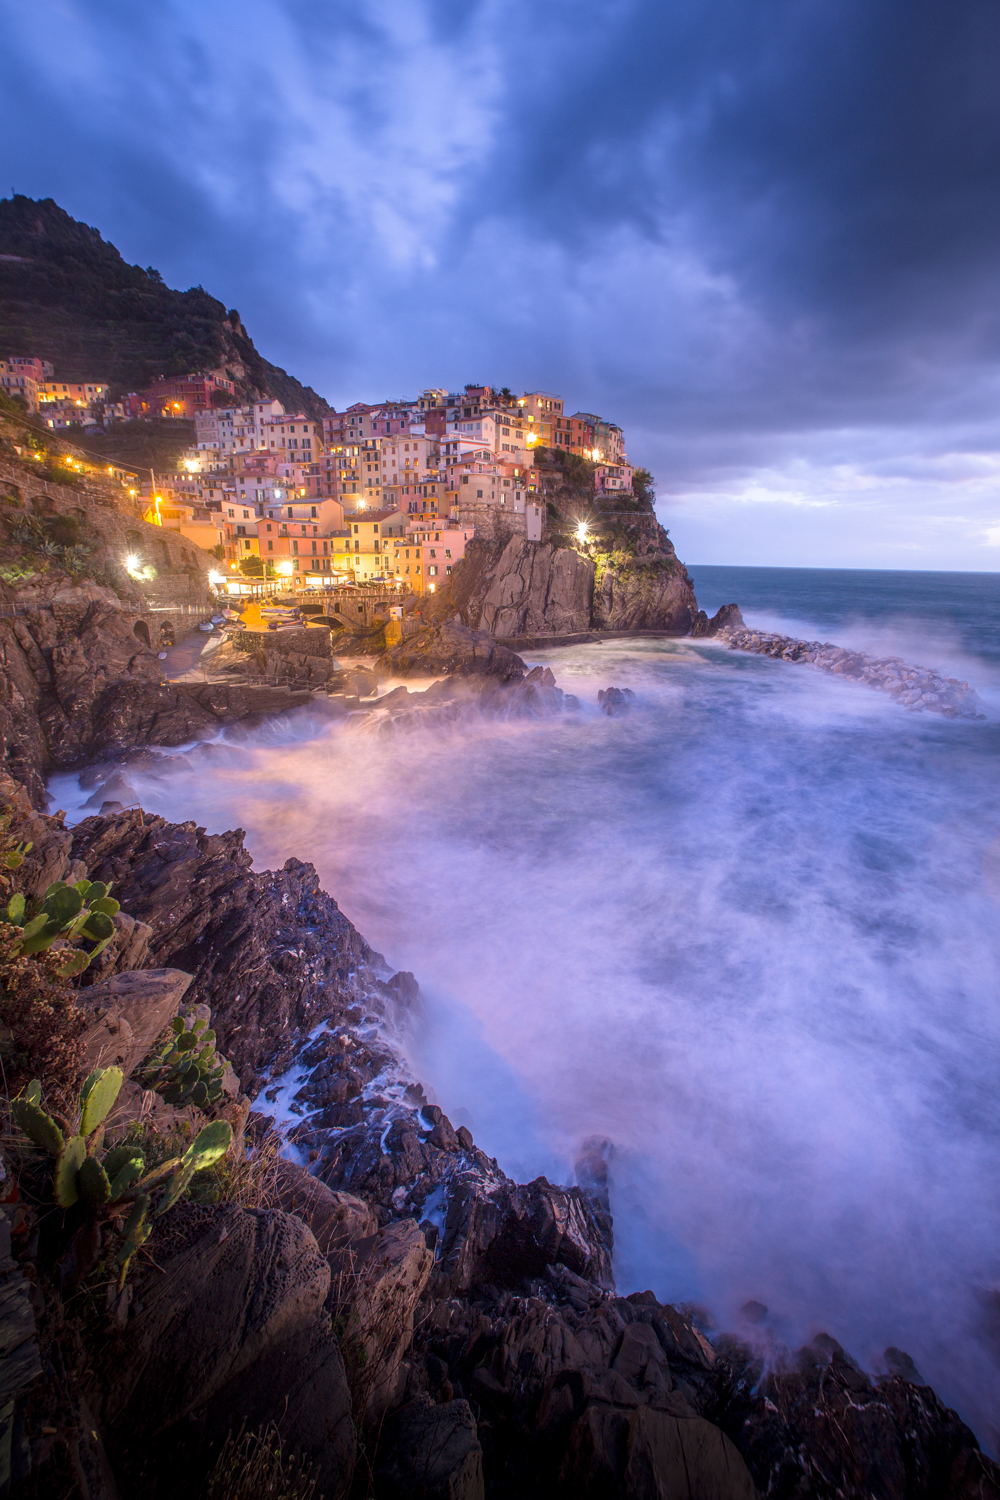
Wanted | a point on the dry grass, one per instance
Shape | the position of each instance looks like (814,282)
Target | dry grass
(252,1466)
(41,1026)
(253,1181)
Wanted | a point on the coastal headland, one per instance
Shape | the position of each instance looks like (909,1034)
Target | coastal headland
(357,1282)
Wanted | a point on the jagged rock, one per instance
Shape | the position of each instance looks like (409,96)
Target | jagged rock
(451,649)
(270,953)
(650,1455)
(822,1427)
(76,684)
(231,1329)
(128,1012)
(915,688)
(383,1299)
(525,588)
(497,1233)
(429,1452)
(726,617)
(615,701)
(361,682)
(127,950)
(340,1222)
(459,697)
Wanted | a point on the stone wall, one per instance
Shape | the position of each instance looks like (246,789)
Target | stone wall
(315,642)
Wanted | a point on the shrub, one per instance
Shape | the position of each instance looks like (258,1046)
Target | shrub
(41,1026)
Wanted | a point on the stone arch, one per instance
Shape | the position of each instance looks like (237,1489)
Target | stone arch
(141,630)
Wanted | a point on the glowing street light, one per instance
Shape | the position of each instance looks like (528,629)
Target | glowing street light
(583,532)
(284,568)
(215,579)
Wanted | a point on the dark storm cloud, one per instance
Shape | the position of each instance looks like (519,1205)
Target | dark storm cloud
(742,229)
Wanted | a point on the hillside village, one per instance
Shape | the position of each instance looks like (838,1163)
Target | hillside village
(385,495)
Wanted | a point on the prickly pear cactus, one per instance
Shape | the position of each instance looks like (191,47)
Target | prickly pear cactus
(185,1068)
(68,913)
(105,1187)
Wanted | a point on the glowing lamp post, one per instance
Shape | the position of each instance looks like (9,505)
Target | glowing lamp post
(583,533)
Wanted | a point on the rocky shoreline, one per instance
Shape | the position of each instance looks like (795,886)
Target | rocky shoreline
(408,1319)
(920,689)
(484,1349)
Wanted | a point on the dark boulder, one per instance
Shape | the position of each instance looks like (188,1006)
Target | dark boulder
(501,1233)
(650,1455)
(450,649)
(615,701)
(228,1328)
(430,1452)
(727,617)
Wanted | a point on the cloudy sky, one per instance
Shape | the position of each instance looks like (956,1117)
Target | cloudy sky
(760,234)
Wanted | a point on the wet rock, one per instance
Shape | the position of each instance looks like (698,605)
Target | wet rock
(822,1427)
(615,701)
(754,1312)
(451,649)
(271,953)
(916,688)
(499,1233)
(727,617)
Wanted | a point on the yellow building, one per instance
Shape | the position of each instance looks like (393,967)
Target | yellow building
(81,393)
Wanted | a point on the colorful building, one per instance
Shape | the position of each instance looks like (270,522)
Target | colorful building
(184,396)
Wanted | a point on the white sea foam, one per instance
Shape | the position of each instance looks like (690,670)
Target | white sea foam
(748,932)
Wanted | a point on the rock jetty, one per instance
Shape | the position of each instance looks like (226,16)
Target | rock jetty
(915,688)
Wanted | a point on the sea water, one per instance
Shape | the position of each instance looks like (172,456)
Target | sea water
(747,934)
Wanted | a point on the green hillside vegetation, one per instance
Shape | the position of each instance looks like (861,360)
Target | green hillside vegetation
(67,296)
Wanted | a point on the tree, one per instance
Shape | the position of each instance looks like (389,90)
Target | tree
(251,567)
(644,486)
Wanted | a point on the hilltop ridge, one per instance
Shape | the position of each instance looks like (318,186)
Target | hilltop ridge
(68,296)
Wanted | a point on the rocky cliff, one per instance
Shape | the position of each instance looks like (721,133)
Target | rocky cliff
(622,575)
(522,589)
(403,1317)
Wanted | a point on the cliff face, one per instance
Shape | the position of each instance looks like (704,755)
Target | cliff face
(525,589)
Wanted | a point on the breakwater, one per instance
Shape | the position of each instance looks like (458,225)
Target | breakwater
(915,688)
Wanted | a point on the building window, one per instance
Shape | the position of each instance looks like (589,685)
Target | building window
(270,546)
